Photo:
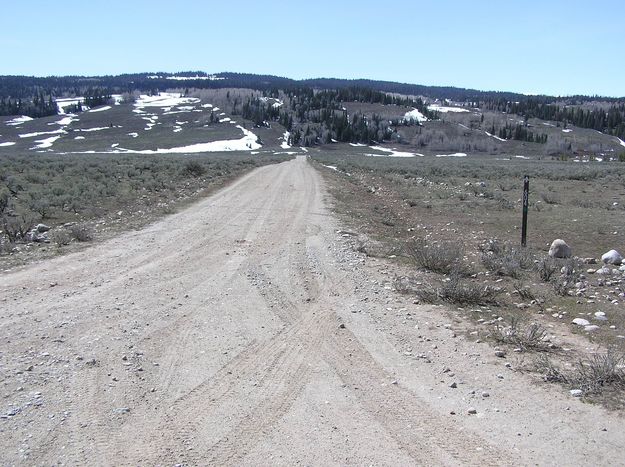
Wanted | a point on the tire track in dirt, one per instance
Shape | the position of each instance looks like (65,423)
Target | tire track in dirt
(263,282)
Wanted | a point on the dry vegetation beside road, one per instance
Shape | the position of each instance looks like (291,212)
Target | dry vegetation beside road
(84,197)
(455,226)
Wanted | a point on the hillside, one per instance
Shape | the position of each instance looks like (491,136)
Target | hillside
(194,112)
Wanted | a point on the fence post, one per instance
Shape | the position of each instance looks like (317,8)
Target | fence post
(526,195)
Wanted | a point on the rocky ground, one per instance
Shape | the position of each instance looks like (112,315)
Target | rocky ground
(248,330)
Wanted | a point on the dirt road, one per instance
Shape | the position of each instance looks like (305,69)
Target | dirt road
(246,331)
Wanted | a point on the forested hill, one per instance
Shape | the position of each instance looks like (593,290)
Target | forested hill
(36,96)
(25,87)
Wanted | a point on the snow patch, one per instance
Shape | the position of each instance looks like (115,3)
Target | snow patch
(567,130)
(456,154)
(187,78)
(285,140)
(65,120)
(18,120)
(41,133)
(134,135)
(621,142)
(246,143)
(392,153)
(445,109)
(415,116)
(99,128)
(79,137)
(101,109)
(494,136)
(45,143)
(164,100)
(66,102)
(7,143)
(357,145)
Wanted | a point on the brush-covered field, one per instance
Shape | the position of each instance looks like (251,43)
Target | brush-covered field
(454,228)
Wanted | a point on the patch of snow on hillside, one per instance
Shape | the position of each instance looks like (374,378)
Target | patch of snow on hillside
(41,133)
(522,157)
(621,142)
(567,130)
(224,120)
(277,104)
(79,137)
(445,109)
(187,78)
(456,154)
(6,143)
(65,120)
(463,126)
(45,143)
(392,153)
(18,120)
(357,145)
(164,100)
(207,106)
(331,167)
(246,143)
(415,115)
(285,140)
(101,109)
(99,128)
(494,136)
(134,135)
(66,102)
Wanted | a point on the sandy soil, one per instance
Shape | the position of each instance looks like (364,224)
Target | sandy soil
(246,331)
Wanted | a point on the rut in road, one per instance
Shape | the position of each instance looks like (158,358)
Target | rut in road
(229,311)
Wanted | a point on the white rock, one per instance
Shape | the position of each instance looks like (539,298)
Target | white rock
(591,328)
(576,392)
(612,257)
(559,249)
(581,322)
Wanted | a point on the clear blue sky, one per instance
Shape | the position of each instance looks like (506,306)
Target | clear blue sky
(554,47)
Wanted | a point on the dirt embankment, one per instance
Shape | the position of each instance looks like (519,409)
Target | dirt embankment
(245,330)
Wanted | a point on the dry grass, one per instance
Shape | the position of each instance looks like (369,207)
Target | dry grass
(592,375)
(523,336)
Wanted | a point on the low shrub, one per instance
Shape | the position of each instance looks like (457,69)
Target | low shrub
(466,293)
(504,259)
(530,336)
(592,375)
(442,258)
(81,232)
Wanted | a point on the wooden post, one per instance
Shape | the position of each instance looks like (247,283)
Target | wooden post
(526,195)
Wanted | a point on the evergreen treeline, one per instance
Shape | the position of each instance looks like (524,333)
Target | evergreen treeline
(316,117)
(611,121)
(27,86)
(519,132)
(38,106)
